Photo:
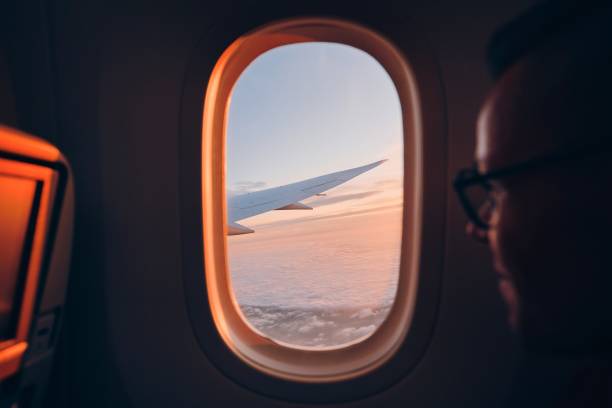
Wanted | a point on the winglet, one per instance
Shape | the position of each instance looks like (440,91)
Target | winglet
(354,172)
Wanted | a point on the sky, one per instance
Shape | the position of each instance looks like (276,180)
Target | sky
(301,111)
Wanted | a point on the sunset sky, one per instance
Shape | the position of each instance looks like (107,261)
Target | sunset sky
(301,111)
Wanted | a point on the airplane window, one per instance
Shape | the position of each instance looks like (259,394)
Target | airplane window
(314,194)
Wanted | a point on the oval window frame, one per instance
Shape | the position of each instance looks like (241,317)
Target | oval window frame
(398,363)
(260,352)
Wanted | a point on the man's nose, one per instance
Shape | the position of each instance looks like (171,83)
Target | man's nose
(479,234)
(476,233)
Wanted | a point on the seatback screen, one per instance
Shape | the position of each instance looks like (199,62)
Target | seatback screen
(16,204)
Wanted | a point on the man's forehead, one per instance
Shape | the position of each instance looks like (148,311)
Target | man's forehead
(514,125)
(553,99)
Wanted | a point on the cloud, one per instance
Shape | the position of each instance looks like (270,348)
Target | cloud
(363,313)
(356,332)
(344,197)
(314,323)
(331,216)
(388,183)
(248,186)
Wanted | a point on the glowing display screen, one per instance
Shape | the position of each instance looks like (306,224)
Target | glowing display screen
(16,201)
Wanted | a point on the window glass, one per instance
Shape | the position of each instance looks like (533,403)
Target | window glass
(314,264)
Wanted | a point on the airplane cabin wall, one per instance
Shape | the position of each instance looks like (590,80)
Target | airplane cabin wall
(117,74)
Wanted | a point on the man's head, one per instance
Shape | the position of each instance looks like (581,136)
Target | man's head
(551,221)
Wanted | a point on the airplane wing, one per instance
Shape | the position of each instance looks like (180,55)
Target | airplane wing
(285,197)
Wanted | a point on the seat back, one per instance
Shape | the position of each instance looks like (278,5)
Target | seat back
(36,211)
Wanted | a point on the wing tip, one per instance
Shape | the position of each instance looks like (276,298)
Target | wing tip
(376,163)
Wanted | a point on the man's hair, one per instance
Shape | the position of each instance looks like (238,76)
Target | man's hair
(539,25)
(563,49)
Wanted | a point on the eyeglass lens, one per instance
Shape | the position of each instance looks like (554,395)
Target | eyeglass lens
(480,201)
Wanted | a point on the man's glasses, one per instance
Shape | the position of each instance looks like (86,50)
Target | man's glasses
(475,189)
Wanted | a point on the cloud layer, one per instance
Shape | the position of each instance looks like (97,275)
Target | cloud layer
(313,328)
